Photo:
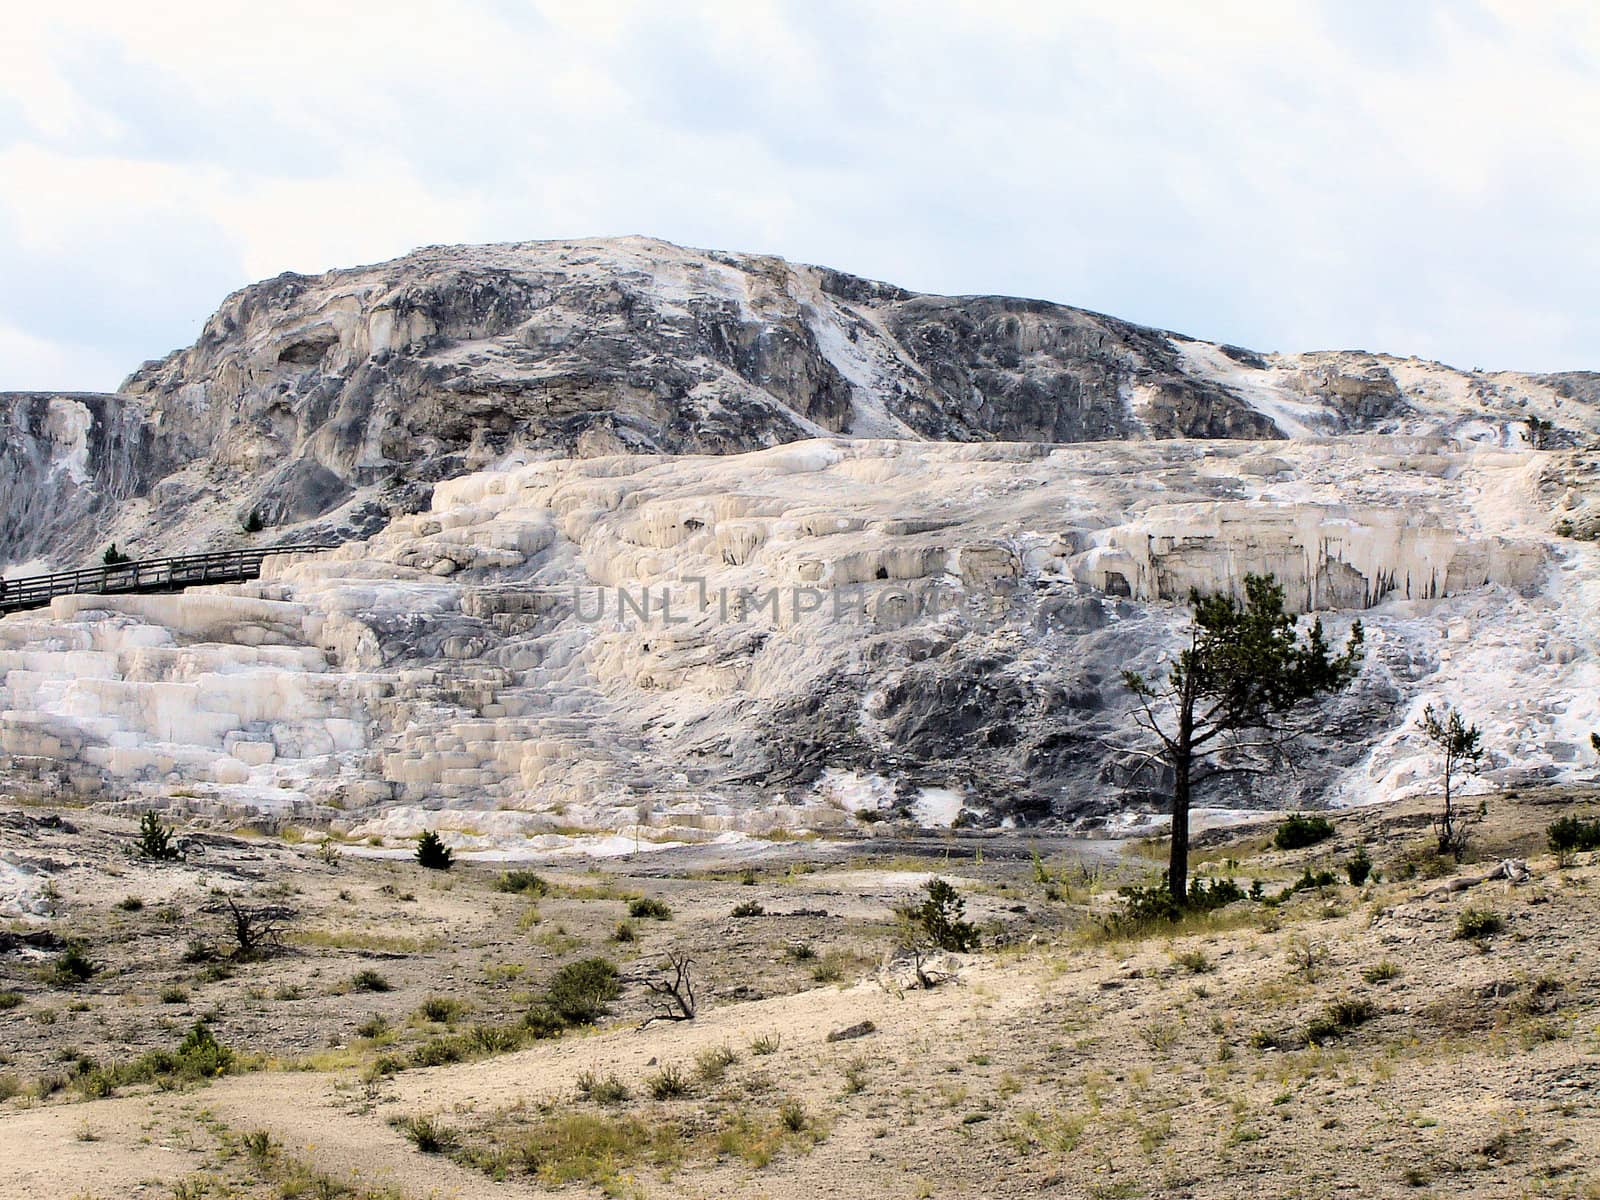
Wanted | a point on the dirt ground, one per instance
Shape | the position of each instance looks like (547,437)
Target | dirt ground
(1433,1033)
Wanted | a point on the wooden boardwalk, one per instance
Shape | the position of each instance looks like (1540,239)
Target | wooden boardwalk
(142,575)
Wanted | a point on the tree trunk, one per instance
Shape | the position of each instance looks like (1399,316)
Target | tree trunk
(1182,754)
(1178,864)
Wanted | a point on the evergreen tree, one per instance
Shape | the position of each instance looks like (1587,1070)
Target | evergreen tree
(1235,700)
(433,853)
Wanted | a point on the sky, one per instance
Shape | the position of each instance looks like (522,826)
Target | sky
(1392,175)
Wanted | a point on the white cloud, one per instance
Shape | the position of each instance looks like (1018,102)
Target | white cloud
(1413,178)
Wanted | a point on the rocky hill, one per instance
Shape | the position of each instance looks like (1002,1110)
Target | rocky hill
(718,543)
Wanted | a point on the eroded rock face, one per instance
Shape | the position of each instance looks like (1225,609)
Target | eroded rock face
(326,405)
(739,642)
(742,545)
(67,461)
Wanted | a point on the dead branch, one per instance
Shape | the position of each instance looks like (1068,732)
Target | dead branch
(257,930)
(676,995)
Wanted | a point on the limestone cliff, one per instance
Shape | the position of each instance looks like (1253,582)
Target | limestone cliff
(724,544)
(326,405)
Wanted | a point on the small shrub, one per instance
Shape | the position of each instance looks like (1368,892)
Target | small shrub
(1194,961)
(1358,867)
(1309,881)
(174,994)
(1145,907)
(800,951)
(580,991)
(609,1090)
(368,980)
(522,883)
(10,1000)
(649,908)
(1338,1018)
(385,1064)
(373,1027)
(72,968)
(442,1010)
(668,1083)
(260,1148)
(201,1056)
(1569,834)
(428,1134)
(792,1116)
(433,854)
(712,1063)
(1297,831)
(624,932)
(767,1043)
(130,904)
(1381,972)
(1475,923)
(439,1052)
(856,1075)
(543,1022)
(750,908)
(155,840)
(495,1039)
(833,966)
(253,523)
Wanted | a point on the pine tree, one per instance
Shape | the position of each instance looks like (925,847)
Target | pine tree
(1461,746)
(433,853)
(1234,702)
(155,839)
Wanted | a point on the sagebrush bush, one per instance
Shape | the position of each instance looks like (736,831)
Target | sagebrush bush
(669,1083)
(609,1090)
(73,967)
(712,1063)
(580,991)
(428,1134)
(442,1009)
(1338,1019)
(368,980)
(1194,961)
(1474,923)
(649,908)
(1381,972)
(525,883)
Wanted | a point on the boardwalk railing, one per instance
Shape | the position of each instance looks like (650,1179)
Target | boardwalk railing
(142,575)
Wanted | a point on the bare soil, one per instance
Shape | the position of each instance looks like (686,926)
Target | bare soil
(1346,1041)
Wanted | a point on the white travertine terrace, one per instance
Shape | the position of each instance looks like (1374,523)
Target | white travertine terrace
(440,673)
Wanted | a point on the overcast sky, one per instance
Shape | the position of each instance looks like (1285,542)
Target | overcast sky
(1388,175)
